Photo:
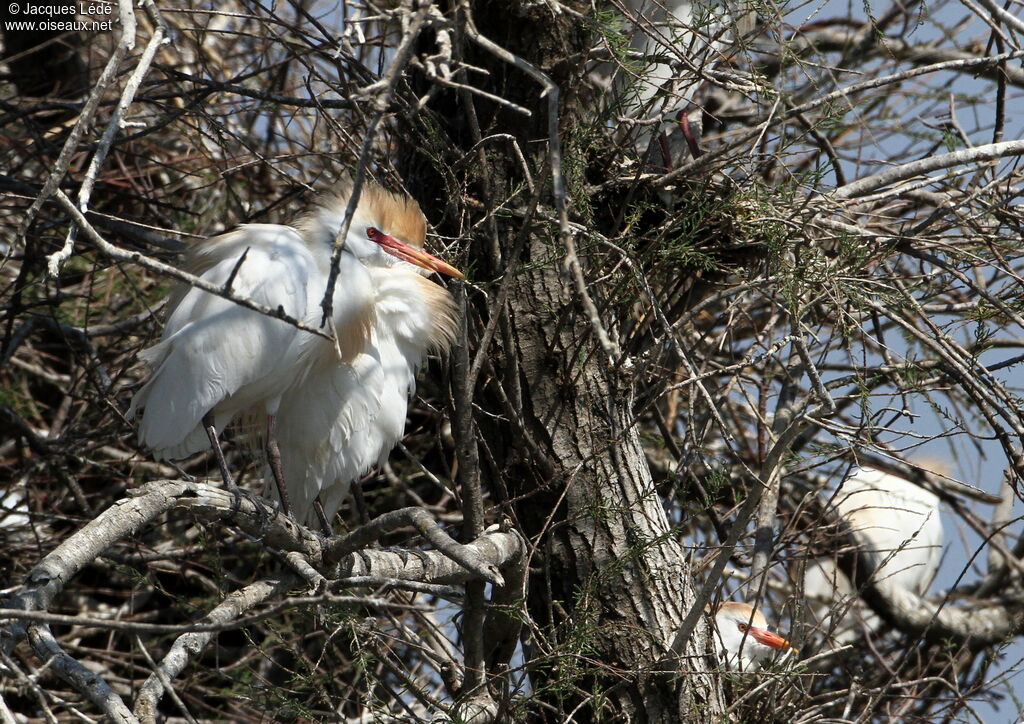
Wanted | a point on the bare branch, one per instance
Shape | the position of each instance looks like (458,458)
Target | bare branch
(903,172)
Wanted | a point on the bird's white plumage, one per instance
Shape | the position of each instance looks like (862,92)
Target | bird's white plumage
(662,29)
(740,633)
(683,41)
(217,356)
(899,523)
(14,511)
(340,406)
(362,405)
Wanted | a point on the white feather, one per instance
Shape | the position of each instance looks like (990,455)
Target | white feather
(899,523)
(218,356)
(341,405)
(346,418)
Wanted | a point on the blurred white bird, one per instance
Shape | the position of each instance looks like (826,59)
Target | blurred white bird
(14,511)
(683,42)
(742,639)
(899,523)
(661,90)
(330,411)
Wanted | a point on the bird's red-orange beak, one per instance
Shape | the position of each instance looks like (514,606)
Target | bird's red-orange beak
(420,258)
(769,639)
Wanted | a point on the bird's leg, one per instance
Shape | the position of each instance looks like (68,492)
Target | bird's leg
(181,472)
(666,153)
(274,457)
(322,515)
(211,432)
(688,133)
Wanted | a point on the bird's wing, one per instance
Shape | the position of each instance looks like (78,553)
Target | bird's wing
(829,595)
(347,414)
(216,355)
(900,522)
(328,432)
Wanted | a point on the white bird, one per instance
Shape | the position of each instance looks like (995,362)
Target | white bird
(899,523)
(344,419)
(661,90)
(683,41)
(742,639)
(14,510)
(331,410)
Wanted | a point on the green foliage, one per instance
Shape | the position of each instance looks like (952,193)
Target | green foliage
(613,29)
(574,164)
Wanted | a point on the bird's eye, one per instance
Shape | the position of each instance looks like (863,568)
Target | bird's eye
(372,233)
(743,627)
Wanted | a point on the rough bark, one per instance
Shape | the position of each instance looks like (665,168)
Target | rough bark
(609,584)
(610,562)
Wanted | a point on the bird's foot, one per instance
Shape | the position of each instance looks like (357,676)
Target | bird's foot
(273,451)
(184,476)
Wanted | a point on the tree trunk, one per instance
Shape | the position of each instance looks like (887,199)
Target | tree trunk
(609,584)
(612,577)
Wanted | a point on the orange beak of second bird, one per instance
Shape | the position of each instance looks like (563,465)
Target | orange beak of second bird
(769,639)
(420,258)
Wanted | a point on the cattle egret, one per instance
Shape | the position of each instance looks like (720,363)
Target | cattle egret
(743,641)
(683,42)
(330,409)
(662,89)
(898,522)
